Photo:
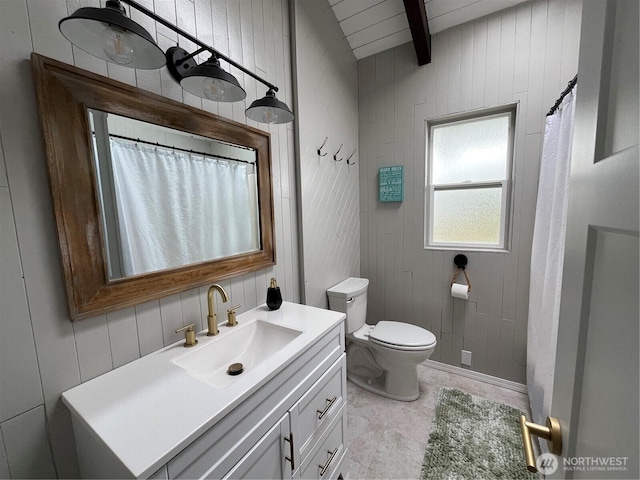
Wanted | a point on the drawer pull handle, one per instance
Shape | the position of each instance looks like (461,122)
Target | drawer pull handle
(322,413)
(323,468)
(290,440)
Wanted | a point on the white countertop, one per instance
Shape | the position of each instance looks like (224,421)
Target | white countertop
(147,411)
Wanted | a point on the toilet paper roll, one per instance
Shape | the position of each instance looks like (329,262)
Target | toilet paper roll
(458,290)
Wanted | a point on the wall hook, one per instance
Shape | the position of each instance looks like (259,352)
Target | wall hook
(460,260)
(320,149)
(352,154)
(335,156)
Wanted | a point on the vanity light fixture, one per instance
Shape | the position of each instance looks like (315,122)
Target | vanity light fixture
(207,80)
(109,34)
(269,109)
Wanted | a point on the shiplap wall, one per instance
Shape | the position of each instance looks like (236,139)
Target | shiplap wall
(326,75)
(41,352)
(525,54)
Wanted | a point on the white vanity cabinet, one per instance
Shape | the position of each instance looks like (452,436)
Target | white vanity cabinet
(317,422)
(284,418)
(280,426)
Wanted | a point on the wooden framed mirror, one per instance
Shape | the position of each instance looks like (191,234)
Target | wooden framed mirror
(78,111)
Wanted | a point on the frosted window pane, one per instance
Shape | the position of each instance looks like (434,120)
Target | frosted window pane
(474,151)
(470,215)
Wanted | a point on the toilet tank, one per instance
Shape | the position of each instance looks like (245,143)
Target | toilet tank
(350,297)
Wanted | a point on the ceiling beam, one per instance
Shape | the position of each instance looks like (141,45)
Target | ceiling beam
(417,16)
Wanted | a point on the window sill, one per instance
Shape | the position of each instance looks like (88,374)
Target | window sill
(463,248)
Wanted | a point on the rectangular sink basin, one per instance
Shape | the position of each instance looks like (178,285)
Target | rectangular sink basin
(251,344)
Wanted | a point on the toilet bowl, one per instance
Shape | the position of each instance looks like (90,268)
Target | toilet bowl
(381,358)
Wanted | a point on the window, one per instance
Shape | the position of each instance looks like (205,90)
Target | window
(468,180)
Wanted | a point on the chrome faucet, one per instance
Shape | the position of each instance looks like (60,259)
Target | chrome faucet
(212,318)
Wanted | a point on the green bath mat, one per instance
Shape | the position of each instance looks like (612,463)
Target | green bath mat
(474,438)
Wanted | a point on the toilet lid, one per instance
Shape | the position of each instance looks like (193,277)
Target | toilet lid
(402,334)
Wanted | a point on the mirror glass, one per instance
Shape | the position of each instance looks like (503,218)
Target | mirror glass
(171,198)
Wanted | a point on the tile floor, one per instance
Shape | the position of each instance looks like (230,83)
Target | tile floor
(388,438)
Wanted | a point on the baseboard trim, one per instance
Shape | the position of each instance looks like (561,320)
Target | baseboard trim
(483,377)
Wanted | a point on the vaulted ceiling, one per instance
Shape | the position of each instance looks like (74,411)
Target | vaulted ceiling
(373,26)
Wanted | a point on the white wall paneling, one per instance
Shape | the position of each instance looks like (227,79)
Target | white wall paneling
(48,354)
(524,54)
(327,97)
(92,347)
(3,171)
(123,336)
(21,390)
(63,447)
(26,445)
(4,464)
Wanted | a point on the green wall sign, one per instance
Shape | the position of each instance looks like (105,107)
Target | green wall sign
(391,186)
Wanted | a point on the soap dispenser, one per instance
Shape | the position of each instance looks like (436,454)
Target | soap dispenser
(274,297)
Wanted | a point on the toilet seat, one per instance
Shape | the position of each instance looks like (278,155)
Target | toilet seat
(401,336)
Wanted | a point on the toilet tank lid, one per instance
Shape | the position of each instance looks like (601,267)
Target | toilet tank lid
(348,288)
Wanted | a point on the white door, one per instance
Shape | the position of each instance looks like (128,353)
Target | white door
(595,393)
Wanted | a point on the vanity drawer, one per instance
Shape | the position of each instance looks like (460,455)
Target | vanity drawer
(327,455)
(319,406)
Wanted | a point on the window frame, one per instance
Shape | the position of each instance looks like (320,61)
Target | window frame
(506,185)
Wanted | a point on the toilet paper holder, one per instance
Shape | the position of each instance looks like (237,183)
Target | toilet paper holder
(461,261)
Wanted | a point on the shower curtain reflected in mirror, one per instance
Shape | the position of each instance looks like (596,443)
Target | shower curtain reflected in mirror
(547,256)
(178,208)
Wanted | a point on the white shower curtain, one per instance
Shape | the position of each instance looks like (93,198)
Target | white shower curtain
(179,208)
(547,256)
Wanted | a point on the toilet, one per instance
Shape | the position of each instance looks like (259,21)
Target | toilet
(381,358)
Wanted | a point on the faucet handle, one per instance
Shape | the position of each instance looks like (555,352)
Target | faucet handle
(231,316)
(189,335)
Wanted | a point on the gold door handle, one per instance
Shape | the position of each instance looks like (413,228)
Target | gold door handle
(551,433)
(323,468)
(322,413)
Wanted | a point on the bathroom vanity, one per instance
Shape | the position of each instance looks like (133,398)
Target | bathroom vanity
(177,413)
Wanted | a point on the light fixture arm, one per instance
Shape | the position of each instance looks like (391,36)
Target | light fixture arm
(189,56)
(203,46)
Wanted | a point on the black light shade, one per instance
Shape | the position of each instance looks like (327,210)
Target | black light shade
(269,109)
(209,80)
(108,33)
